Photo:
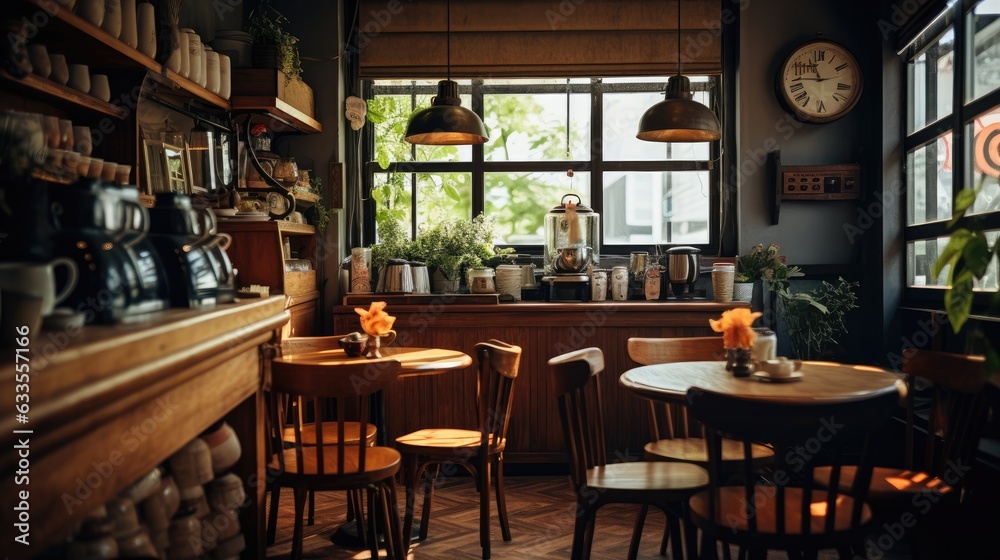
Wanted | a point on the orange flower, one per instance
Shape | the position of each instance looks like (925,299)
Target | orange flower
(375,321)
(736,326)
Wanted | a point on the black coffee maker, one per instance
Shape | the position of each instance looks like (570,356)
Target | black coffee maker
(102,229)
(183,238)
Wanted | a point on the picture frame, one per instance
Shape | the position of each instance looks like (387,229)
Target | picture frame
(166,168)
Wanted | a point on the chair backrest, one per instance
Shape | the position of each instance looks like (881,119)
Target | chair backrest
(499,363)
(578,393)
(803,433)
(668,421)
(957,413)
(347,387)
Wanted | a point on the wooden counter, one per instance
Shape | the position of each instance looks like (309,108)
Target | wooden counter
(543,330)
(109,403)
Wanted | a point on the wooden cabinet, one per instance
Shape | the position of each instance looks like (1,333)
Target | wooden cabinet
(543,330)
(257,254)
(110,403)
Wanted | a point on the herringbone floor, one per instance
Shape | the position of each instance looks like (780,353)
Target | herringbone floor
(541,513)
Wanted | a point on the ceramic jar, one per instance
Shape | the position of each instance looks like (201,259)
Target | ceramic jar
(481,281)
(225,77)
(619,283)
(212,71)
(41,65)
(91,10)
(60,69)
(196,56)
(129,34)
(599,285)
(192,465)
(224,446)
(112,22)
(145,23)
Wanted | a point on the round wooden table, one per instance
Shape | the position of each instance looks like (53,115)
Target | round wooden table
(413,361)
(819,381)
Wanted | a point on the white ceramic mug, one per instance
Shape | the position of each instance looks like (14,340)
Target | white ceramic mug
(39,280)
(100,88)
(91,10)
(112,22)
(184,46)
(599,286)
(129,34)
(83,140)
(60,69)
(40,63)
(145,23)
(619,283)
(79,77)
(225,76)
(196,55)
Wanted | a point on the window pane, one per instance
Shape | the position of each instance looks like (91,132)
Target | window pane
(518,202)
(622,112)
(986,47)
(531,127)
(393,195)
(928,180)
(659,207)
(985,161)
(930,83)
(920,258)
(443,195)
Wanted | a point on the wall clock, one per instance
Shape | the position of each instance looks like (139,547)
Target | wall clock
(819,82)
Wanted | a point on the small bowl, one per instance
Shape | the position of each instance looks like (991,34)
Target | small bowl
(353,347)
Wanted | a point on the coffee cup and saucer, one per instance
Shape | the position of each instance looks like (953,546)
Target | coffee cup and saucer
(779,370)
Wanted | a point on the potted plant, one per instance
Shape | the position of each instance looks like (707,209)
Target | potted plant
(273,46)
(815,319)
(394,243)
(453,245)
(755,267)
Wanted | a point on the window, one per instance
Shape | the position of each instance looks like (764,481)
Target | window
(952,136)
(646,193)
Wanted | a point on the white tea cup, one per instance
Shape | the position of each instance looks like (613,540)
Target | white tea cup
(40,63)
(100,88)
(79,77)
(60,69)
(39,280)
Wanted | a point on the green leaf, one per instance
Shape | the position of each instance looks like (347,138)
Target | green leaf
(964,199)
(383,159)
(977,255)
(952,251)
(374,115)
(452,192)
(958,300)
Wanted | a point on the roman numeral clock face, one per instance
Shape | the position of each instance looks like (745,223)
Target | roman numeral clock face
(819,82)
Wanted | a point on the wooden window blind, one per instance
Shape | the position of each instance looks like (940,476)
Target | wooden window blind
(524,38)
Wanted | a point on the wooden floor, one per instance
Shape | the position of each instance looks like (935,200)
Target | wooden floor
(541,511)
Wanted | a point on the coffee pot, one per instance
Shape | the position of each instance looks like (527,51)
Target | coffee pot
(682,270)
(572,237)
(182,237)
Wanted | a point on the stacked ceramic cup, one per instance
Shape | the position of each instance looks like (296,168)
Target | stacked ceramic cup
(508,280)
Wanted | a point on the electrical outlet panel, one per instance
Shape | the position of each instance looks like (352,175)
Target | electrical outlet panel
(821,182)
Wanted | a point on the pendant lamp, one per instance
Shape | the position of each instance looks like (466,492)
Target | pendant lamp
(678,118)
(446,122)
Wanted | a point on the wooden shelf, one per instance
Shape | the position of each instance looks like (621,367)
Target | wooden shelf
(64,95)
(305,199)
(101,50)
(279,110)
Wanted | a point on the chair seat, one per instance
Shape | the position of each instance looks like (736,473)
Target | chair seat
(432,440)
(380,463)
(731,515)
(695,450)
(642,477)
(352,430)
(889,485)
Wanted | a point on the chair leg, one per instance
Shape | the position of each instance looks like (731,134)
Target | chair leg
(410,483)
(640,520)
(312,507)
(579,532)
(588,537)
(272,516)
(666,537)
(425,515)
(360,521)
(300,505)
(372,527)
(396,526)
(677,548)
(690,533)
(391,544)
(484,506)
(502,501)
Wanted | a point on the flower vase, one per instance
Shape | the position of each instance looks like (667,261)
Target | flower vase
(372,345)
(738,361)
(743,291)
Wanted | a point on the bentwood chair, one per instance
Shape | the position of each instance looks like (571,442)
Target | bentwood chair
(667,486)
(939,448)
(317,464)
(477,451)
(791,513)
(675,436)
(284,431)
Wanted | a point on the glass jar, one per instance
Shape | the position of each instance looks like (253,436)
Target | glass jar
(481,281)
(286,172)
(765,346)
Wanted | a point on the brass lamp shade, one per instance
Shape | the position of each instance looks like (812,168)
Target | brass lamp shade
(446,122)
(678,118)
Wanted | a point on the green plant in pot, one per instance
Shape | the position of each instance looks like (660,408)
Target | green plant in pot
(758,265)
(453,245)
(274,46)
(815,320)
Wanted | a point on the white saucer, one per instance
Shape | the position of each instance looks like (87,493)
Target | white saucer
(227,212)
(764,376)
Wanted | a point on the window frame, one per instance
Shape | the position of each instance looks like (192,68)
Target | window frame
(595,165)
(957,18)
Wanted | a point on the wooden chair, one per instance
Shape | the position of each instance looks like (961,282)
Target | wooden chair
(595,482)
(937,453)
(477,451)
(352,431)
(790,514)
(344,464)
(675,438)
